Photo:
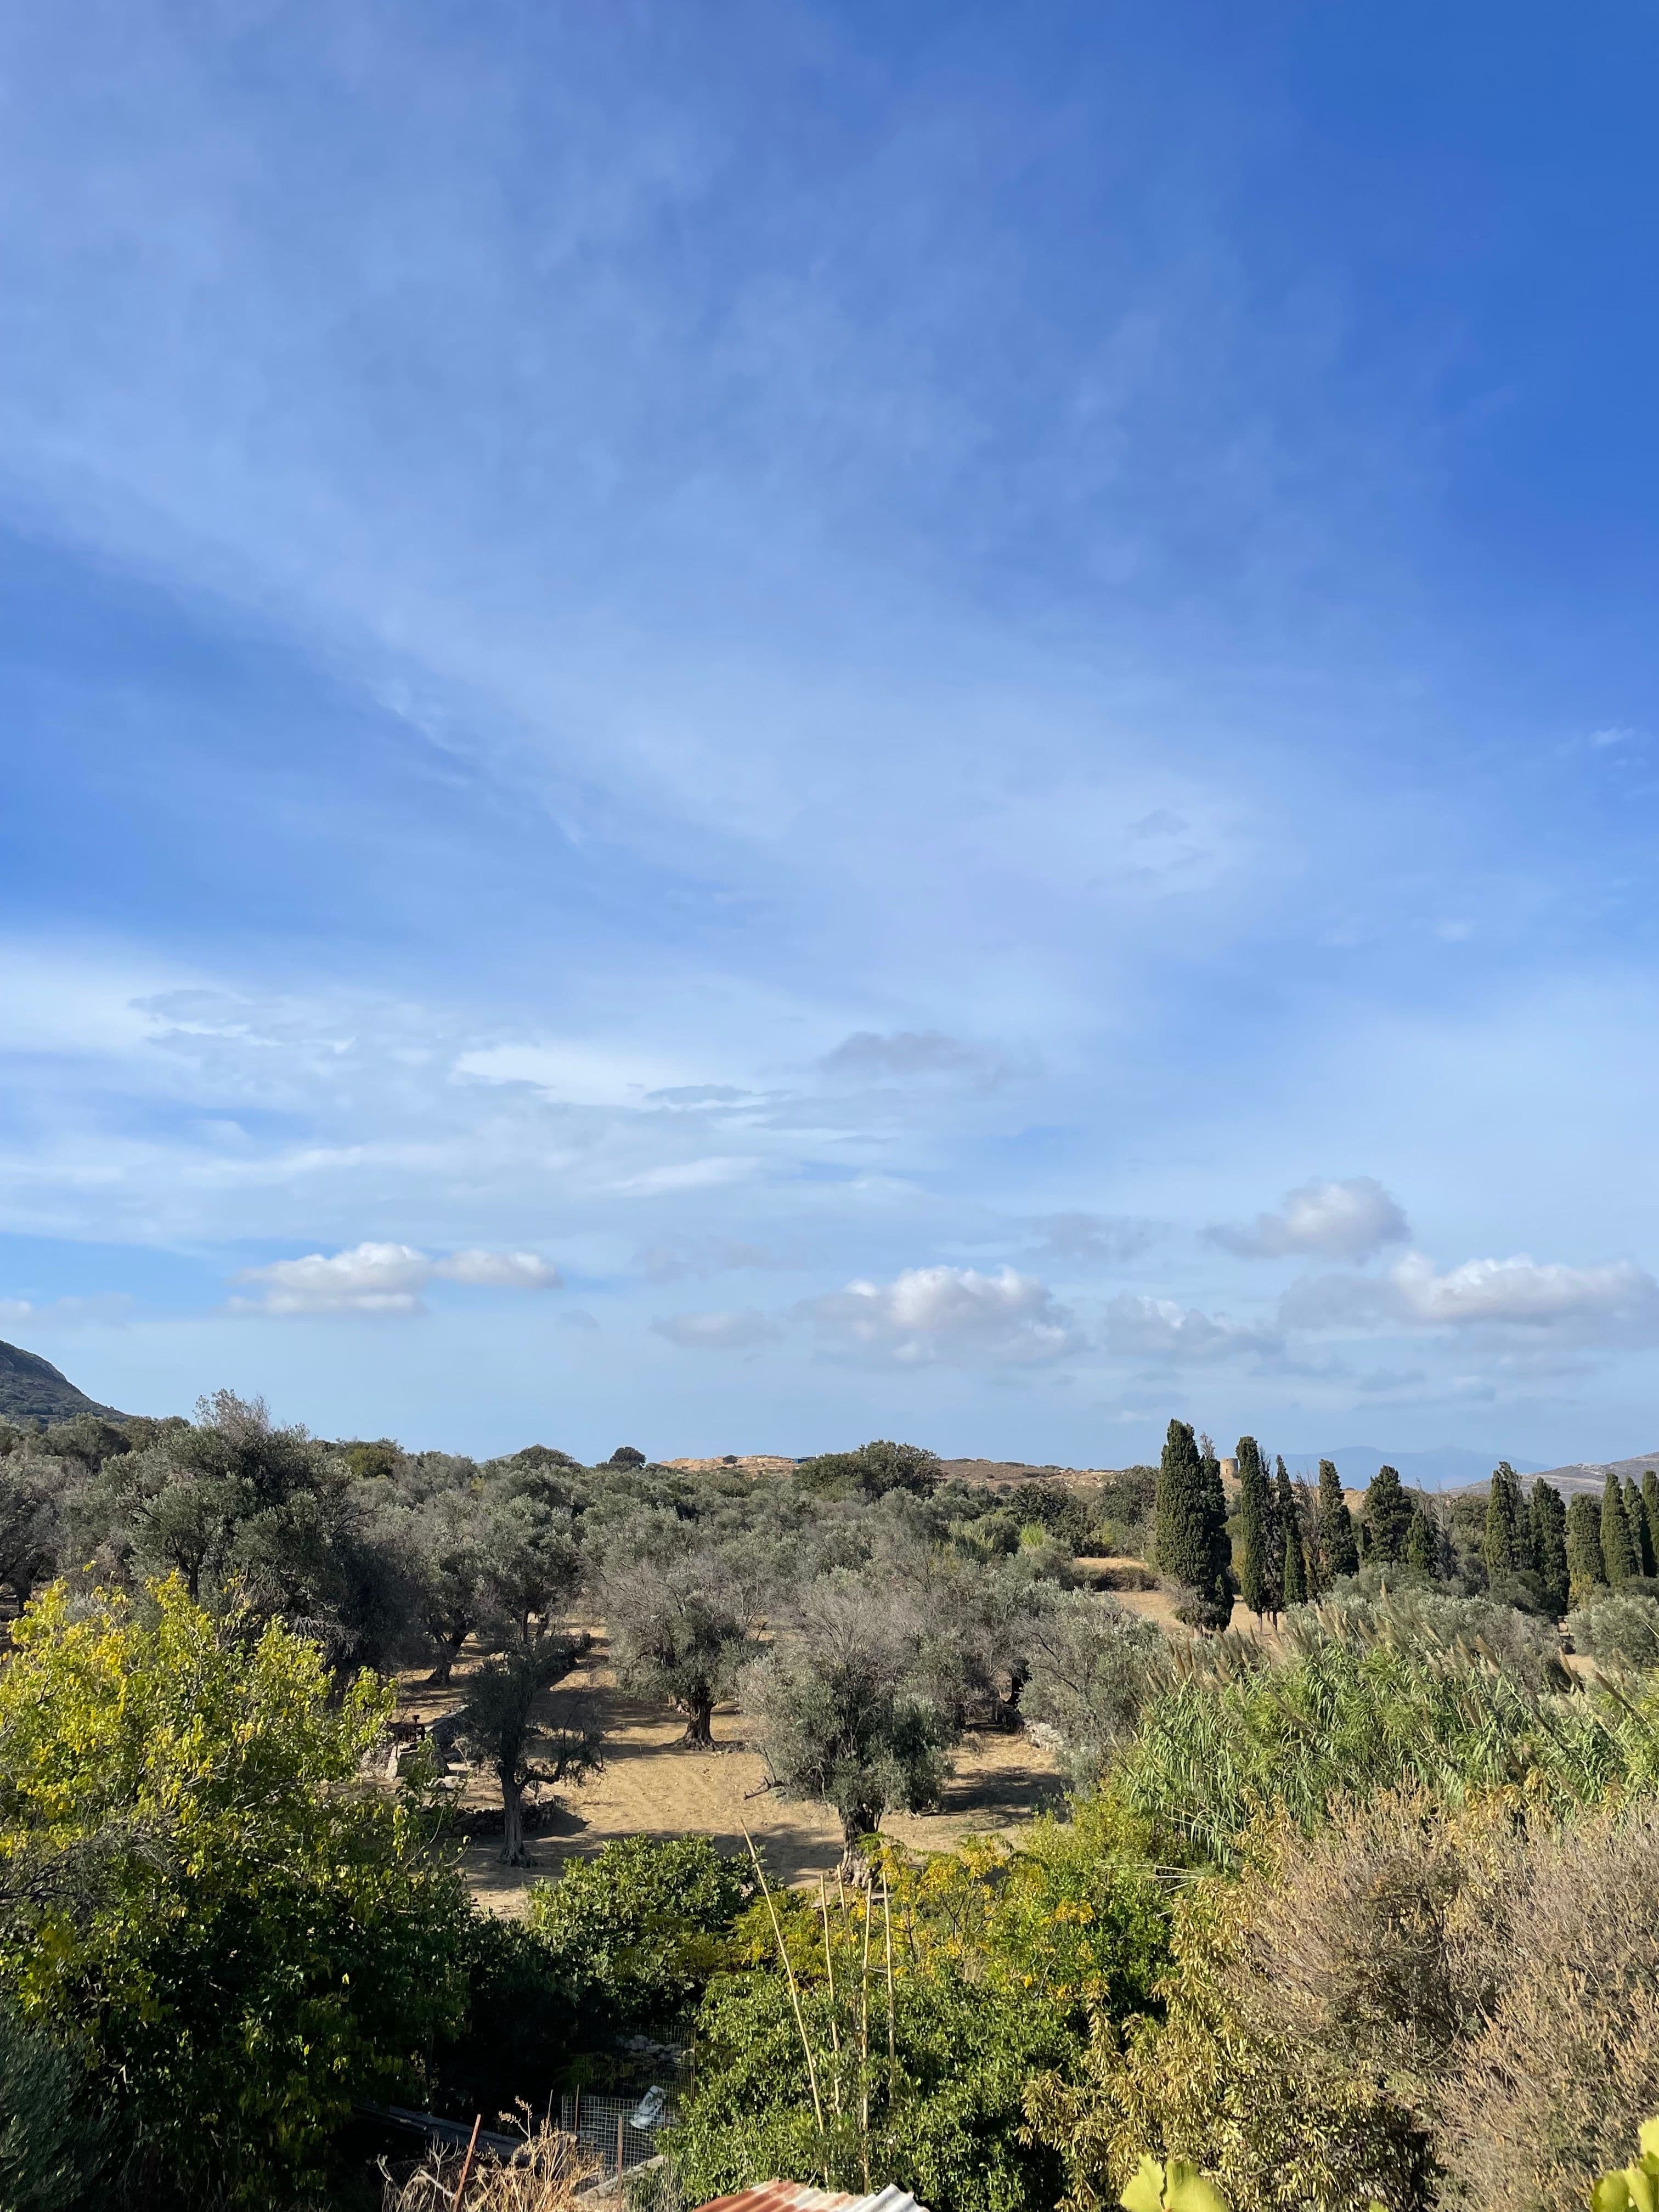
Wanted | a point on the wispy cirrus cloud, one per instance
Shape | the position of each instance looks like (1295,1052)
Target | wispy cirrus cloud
(915,1055)
(718,1332)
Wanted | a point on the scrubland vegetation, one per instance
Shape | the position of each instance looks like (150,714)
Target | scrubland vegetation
(1357,1901)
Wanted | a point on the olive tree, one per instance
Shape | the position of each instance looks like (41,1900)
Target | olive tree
(498,1726)
(848,1715)
(679,1628)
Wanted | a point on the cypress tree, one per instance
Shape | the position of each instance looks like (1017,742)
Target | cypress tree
(1255,1513)
(1339,1550)
(1549,1517)
(1585,1568)
(1294,1572)
(1651,1502)
(1387,1516)
(1221,1586)
(1422,1545)
(1641,1534)
(1190,1521)
(1618,1559)
(1501,1546)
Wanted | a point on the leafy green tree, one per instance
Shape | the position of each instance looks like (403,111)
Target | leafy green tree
(449,1542)
(532,1568)
(1586,1570)
(498,1724)
(873,1470)
(1506,1546)
(1618,1553)
(198,1899)
(633,1933)
(1190,1526)
(1295,1583)
(1549,1518)
(848,1716)
(1338,1546)
(1641,1535)
(1257,1531)
(1388,1512)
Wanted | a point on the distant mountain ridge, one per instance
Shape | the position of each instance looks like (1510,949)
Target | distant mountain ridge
(33,1389)
(1591,1474)
(1444,1467)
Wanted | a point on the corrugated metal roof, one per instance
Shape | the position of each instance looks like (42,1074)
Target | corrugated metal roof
(800,2196)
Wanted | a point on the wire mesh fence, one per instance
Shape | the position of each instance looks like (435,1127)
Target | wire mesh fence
(618,2132)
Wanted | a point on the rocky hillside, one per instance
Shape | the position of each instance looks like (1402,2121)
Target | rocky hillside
(33,1389)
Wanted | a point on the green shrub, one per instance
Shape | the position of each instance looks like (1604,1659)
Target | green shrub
(53,2137)
(1000,1960)
(1620,1628)
(633,1934)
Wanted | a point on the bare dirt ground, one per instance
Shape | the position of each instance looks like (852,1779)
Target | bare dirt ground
(651,1785)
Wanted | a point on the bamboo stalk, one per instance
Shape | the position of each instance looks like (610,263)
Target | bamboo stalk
(830,1969)
(887,1925)
(794,1994)
(864,2045)
(466,2165)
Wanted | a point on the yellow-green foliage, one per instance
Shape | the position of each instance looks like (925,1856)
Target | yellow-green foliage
(1632,2188)
(194,1892)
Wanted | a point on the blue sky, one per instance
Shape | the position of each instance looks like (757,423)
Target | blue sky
(736,726)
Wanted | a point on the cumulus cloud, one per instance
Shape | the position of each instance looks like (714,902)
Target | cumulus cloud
(1163,1331)
(906,1055)
(717,1331)
(373,1277)
(1346,1220)
(954,1315)
(1619,1298)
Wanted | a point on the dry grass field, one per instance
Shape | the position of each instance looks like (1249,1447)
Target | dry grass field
(651,1785)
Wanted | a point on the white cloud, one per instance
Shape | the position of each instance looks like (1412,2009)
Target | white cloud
(717,1331)
(373,1277)
(1347,1220)
(506,1271)
(950,1314)
(1617,1299)
(1161,1330)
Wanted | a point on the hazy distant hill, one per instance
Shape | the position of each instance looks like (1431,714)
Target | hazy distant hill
(33,1389)
(1448,1466)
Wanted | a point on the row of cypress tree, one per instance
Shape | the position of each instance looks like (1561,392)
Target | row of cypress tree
(1542,1549)
(1284,1557)
(1614,1541)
